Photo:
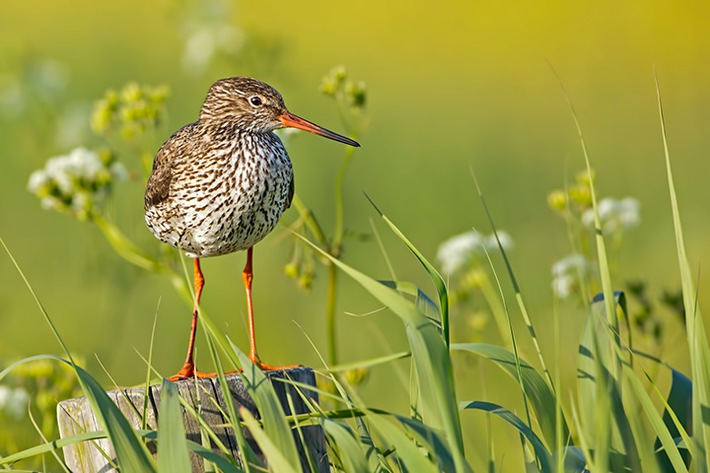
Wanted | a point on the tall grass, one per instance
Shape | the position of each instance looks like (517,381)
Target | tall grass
(611,424)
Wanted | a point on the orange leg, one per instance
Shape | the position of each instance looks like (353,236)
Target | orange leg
(188,369)
(247,276)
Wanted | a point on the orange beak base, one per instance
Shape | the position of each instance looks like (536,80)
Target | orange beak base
(288,119)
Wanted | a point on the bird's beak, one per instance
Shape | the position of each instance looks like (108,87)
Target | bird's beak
(294,121)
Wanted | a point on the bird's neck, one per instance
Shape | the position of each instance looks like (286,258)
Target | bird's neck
(232,132)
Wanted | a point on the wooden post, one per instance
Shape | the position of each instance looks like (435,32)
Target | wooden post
(75,416)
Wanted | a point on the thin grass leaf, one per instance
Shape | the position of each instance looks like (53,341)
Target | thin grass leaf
(247,455)
(435,276)
(665,438)
(39,432)
(543,455)
(369,363)
(677,415)
(604,272)
(271,450)
(345,446)
(272,415)
(697,340)
(603,414)
(131,453)
(223,464)
(407,451)
(432,439)
(423,302)
(678,410)
(542,398)
(516,286)
(570,460)
(528,457)
(149,364)
(172,447)
(51,446)
(431,361)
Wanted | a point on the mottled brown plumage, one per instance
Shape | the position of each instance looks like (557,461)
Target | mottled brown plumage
(220,184)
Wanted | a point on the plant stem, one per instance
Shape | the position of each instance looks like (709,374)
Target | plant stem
(339,226)
(125,247)
(330,313)
(310,221)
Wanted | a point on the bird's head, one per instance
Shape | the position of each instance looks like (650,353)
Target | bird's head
(254,106)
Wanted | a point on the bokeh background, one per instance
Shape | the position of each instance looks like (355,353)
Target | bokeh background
(451,86)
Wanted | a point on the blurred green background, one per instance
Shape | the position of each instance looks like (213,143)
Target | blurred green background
(451,86)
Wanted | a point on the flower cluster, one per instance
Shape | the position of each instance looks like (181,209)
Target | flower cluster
(13,402)
(302,266)
(38,384)
(76,183)
(336,84)
(576,199)
(458,251)
(132,112)
(567,274)
(575,274)
(615,215)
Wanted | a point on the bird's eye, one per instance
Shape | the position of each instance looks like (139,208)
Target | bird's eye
(255,100)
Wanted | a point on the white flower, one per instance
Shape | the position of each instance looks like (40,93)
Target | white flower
(491,243)
(458,250)
(38,180)
(14,401)
(615,215)
(75,182)
(563,286)
(566,273)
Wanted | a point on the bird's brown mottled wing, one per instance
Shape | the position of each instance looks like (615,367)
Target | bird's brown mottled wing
(158,187)
(159,183)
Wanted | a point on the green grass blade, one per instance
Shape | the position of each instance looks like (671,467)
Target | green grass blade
(276,427)
(697,339)
(50,446)
(380,360)
(603,414)
(604,272)
(131,453)
(407,451)
(678,414)
(432,439)
(542,398)
(541,452)
(678,410)
(423,302)
(223,464)
(172,447)
(664,436)
(246,453)
(431,360)
(275,455)
(516,287)
(435,276)
(346,448)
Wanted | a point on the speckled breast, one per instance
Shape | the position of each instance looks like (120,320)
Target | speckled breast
(228,202)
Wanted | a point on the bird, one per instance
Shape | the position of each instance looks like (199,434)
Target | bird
(220,185)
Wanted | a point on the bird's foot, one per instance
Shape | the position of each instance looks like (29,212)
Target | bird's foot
(266,367)
(188,371)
